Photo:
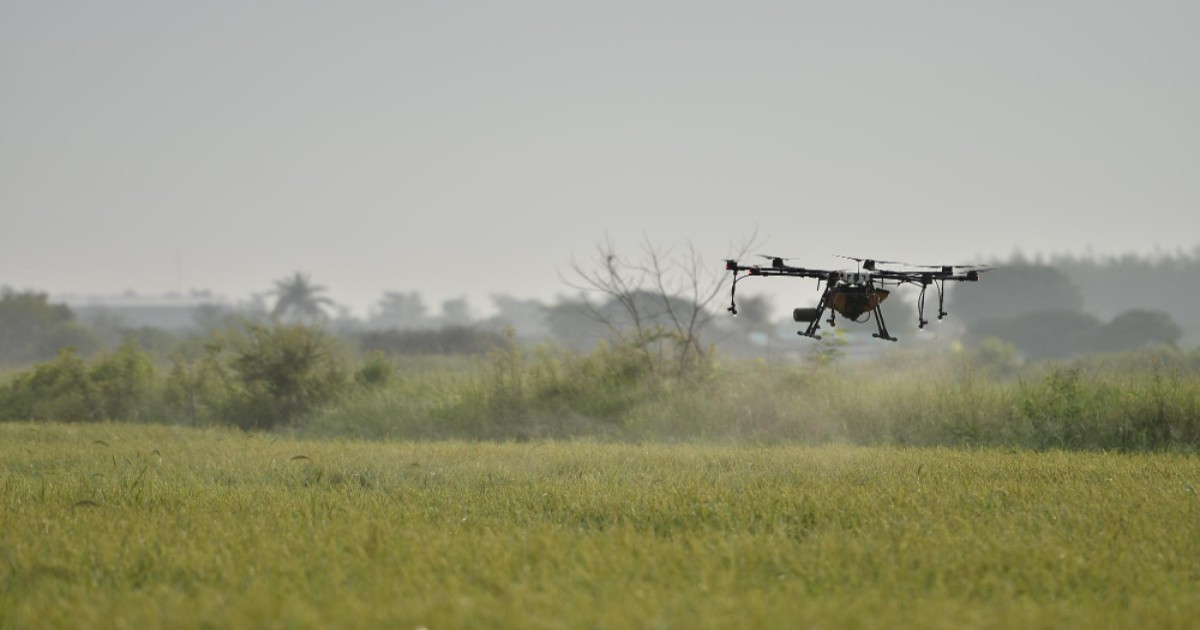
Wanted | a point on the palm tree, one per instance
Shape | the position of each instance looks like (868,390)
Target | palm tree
(297,298)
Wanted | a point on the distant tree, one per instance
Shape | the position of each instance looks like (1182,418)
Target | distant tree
(754,313)
(298,299)
(526,317)
(1061,334)
(33,330)
(1136,328)
(456,312)
(1041,335)
(345,322)
(255,309)
(1151,299)
(572,324)
(445,340)
(1167,282)
(155,342)
(1012,291)
(108,327)
(212,317)
(751,330)
(399,310)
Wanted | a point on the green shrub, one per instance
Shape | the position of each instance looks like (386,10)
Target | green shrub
(124,383)
(117,386)
(199,384)
(376,371)
(282,372)
(57,390)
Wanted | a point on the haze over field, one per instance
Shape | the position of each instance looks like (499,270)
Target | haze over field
(474,148)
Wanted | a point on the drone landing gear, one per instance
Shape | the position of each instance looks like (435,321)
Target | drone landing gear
(883,331)
(813,317)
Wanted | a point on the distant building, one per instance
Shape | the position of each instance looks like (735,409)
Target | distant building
(173,311)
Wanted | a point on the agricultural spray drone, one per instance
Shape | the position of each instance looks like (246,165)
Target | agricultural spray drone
(856,295)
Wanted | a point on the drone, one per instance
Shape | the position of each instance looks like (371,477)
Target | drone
(856,295)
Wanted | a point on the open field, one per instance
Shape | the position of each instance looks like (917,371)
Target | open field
(119,525)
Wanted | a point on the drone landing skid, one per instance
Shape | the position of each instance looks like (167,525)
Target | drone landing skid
(883,334)
(815,323)
(883,331)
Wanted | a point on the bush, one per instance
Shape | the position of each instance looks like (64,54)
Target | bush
(117,386)
(376,371)
(58,390)
(124,383)
(199,386)
(282,372)
(259,377)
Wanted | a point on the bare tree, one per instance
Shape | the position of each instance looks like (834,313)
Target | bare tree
(657,301)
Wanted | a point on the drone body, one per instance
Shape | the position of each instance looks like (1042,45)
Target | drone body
(856,295)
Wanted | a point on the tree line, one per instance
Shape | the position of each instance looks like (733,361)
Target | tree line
(1046,307)
(1063,306)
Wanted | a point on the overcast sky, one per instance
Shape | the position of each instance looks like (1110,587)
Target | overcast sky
(462,148)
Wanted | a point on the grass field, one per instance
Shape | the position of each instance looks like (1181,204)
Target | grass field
(138,526)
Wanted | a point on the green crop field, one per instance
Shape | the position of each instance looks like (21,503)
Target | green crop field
(138,526)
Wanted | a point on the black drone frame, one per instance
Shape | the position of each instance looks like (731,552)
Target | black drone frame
(865,286)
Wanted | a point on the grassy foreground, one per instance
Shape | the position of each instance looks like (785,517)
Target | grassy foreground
(118,525)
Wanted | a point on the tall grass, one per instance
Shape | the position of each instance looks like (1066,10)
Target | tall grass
(296,379)
(1146,403)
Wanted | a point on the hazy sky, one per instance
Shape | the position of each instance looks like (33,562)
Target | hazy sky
(462,148)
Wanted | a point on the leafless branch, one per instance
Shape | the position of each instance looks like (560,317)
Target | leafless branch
(663,296)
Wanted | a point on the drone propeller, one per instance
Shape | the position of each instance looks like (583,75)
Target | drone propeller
(869,263)
(876,260)
(951,268)
(777,261)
